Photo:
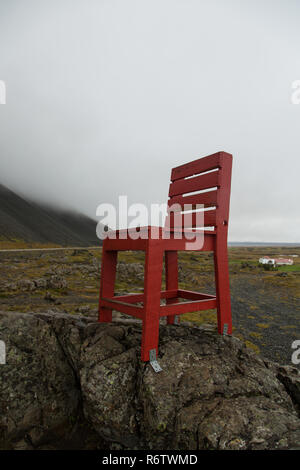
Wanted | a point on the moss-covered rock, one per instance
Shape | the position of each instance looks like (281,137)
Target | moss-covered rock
(67,372)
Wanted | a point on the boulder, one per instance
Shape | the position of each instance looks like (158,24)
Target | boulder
(39,396)
(64,373)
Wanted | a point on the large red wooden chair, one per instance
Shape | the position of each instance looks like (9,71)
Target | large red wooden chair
(209,179)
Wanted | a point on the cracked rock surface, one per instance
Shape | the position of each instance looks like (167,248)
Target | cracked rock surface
(69,382)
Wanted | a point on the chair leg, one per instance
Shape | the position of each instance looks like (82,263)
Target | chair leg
(171,265)
(107,283)
(152,289)
(222,288)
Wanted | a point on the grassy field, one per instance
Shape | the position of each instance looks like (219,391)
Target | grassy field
(265,304)
(16,244)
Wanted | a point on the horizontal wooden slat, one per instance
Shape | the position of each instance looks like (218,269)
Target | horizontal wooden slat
(168,294)
(187,307)
(125,245)
(129,298)
(191,295)
(177,245)
(168,243)
(198,183)
(197,166)
(132,298)
(194,219)
(124,307)
(207,199)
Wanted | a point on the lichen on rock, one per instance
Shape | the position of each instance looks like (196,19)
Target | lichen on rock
(69,382)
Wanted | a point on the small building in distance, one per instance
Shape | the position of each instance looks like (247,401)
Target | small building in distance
(266,260)
(276,261)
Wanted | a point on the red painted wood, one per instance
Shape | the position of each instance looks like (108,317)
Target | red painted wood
(180,245)
(124,307)
(220,252)
(125,245)
(169,243)
(208,199)
(199,183)
(153,276)
(129,298)
(185,307)
(155,242)
(193,220)
(108,276)
(198,166)
(187,294)
(222,287)
(171,268)
(133,298)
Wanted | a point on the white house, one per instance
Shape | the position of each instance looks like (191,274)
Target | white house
(276,261)
(267,260)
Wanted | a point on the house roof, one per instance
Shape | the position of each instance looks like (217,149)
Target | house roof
(283,260)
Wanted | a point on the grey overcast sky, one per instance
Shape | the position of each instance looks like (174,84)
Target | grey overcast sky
(104,97)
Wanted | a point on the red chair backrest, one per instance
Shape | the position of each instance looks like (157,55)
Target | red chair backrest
(209,179)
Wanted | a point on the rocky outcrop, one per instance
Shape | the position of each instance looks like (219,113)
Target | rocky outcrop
(70,382)
(52,282)
(38,390)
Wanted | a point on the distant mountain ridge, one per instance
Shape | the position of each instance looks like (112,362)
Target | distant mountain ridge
(22,219)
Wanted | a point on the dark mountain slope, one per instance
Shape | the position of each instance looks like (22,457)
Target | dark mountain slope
(33,222)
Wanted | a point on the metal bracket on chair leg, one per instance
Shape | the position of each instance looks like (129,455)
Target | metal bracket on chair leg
(225,329)
(176,320)
(153,361)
